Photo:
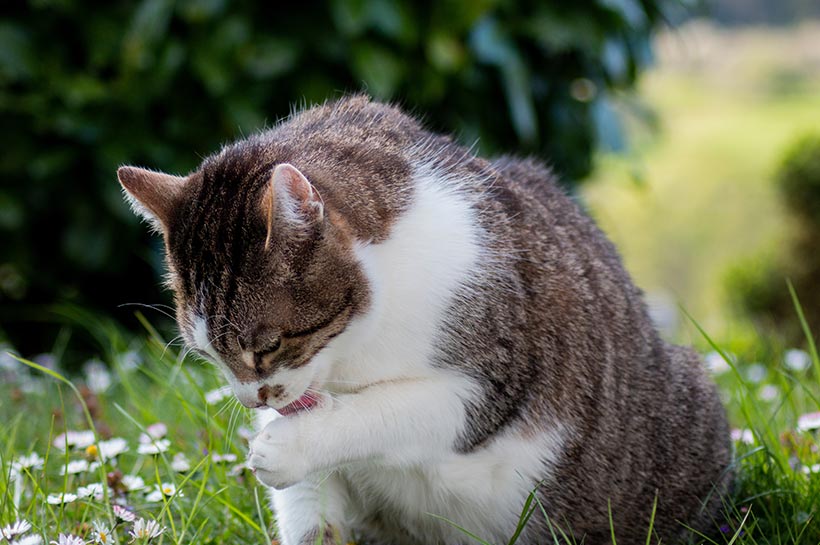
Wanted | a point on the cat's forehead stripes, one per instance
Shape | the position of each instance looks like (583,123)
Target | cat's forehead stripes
(340,148)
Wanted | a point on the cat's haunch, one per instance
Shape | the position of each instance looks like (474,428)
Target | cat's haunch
(426,332)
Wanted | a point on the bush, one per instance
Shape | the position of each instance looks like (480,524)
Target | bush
(87,87)
(758,285)
(799,181)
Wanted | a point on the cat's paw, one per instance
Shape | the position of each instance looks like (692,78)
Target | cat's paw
(276,455)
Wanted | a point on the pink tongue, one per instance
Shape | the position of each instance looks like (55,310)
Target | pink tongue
(303,403)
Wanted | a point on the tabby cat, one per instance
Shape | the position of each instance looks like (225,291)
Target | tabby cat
(426,332)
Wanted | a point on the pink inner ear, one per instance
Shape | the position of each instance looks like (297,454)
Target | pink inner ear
(294,181)
(290,189)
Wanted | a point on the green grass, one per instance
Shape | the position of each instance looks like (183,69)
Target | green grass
(777,500)
(215,501)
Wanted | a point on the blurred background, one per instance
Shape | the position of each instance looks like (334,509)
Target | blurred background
(690,131)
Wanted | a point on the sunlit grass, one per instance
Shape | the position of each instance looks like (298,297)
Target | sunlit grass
(195,484)
(198,491)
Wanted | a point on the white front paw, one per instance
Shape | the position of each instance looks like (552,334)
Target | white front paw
(276,456)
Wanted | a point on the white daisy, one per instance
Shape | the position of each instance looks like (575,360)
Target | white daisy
(7,363)
(215,396)
(155,447)
(61,498)
(811,469)
(154,495)
(73,467)
(31,462)
(223,458)
(123,514)
(130,360)
(715,363)
(246,433)
(34,539)
(154,432)
(796,360)
(756,372)
(168,489)
(146,529)
(743,436)
(69,539)
(180,463)
(112,448)
(74,439)
(769,392)
(19,527)
(160,491)
(809,422)
(103,534)
(97,376)
(133,482)
(93,490)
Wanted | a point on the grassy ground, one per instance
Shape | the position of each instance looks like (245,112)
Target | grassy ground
(704,200)
(212,500)
(163,418)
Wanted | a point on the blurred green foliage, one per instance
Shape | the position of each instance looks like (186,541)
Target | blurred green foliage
(85,87)
(757,284)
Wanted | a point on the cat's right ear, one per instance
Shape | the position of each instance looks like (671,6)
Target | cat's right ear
(153,195)
(292,198)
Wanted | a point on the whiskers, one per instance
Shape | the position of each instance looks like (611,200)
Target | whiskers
(178,341)
(157,307)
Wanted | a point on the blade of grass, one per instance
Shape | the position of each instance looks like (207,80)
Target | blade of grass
(611,523)
(652,519)
(459,528)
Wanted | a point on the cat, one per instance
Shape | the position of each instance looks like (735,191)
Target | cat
(429,337)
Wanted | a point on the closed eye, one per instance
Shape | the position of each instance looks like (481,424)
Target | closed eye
(324,323)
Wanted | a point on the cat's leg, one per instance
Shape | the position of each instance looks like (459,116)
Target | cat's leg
(395,422)
(311,512)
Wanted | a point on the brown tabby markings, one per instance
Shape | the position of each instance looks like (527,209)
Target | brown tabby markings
(212,223)
(551,329)
(274,392)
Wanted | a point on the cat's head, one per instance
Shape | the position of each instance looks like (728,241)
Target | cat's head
(263,273)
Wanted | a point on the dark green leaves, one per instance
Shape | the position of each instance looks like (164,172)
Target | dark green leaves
(87,87)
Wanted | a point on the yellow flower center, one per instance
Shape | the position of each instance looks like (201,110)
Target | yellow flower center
(92,451)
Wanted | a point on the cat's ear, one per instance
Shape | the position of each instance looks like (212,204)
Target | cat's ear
(153,195)
(292,197)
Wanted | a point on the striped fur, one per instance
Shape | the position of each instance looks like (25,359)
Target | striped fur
(464,333)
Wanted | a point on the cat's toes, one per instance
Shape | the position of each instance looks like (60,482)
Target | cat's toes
(276,463)
(275,479)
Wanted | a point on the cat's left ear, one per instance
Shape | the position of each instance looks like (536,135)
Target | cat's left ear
(292,197)
(153,195)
